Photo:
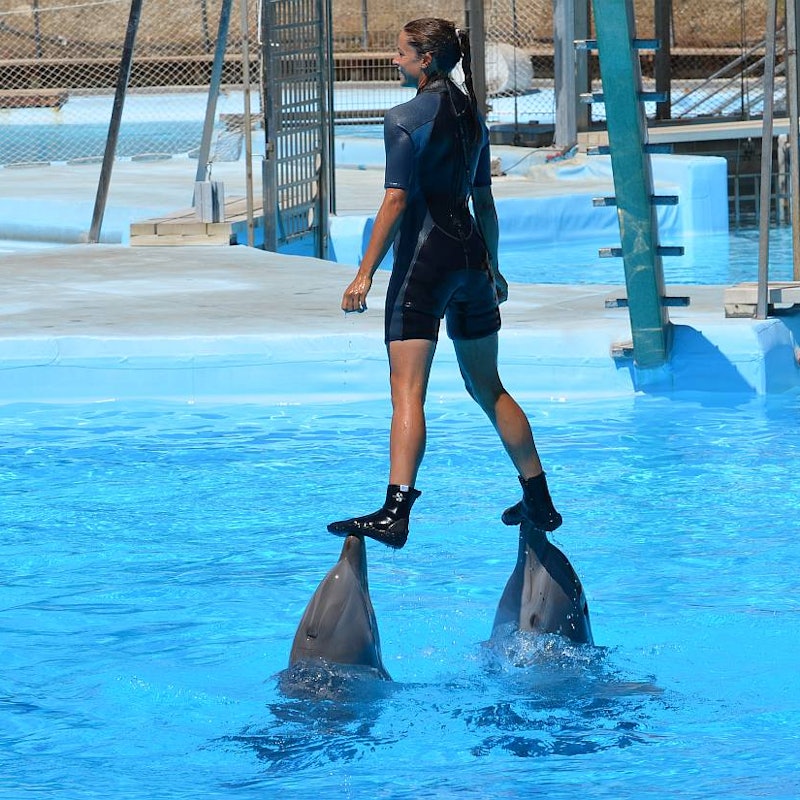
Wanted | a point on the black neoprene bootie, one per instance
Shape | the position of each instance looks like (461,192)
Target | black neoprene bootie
(536,506)
(389,524)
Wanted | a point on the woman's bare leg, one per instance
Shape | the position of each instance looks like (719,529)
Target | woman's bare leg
(410,365)
(477,359)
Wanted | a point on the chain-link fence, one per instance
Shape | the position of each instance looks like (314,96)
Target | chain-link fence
(59,62)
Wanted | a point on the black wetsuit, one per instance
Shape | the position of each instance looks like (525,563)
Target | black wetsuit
(441,265)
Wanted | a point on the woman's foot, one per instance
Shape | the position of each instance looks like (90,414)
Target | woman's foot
(536,506)
(388,525)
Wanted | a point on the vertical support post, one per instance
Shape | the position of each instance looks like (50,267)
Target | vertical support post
(633,180)
(213,90)
(566,132)
(792,82)
(476,23)
(582,80)
(364,25)
(269,181)
(766,161)
(329,120)
(248,126)
(663,57)
(325,57)
(37,29)
(123,79)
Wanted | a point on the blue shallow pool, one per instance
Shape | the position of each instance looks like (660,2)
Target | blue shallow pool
(723,258)
(155,561)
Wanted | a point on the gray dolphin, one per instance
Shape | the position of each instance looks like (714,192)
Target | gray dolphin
(339,625)
(544,594)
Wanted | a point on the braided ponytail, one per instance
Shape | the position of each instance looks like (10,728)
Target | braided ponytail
(466,66)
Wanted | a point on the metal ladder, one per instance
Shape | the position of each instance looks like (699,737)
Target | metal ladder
(618,52)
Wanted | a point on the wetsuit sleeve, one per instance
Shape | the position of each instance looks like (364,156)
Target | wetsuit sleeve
(483,173)
(399,155)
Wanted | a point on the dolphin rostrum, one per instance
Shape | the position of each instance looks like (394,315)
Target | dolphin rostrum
(544,594)
(339,625)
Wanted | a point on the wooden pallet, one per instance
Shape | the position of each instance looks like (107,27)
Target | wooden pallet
(184,228)
(741,300)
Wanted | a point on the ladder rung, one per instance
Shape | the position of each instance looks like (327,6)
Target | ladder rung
(656,200)
(637,44)
(616,252)
(644,97)
(674,301)
(658,148)
(647,44)
(650,149)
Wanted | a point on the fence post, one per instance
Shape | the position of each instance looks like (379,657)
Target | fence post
(766,161)
(116,117)
(662,58)
(794,150)
(566,132)
(213,90)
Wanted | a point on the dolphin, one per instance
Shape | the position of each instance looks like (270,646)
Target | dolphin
(543,594)
(338,626)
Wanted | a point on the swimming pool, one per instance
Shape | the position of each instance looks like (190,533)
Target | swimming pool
(711,259)
(157,558)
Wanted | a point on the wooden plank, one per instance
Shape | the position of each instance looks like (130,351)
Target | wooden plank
(182,227)
(177,240)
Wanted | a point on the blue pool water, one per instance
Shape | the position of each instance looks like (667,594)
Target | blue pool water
(155,561)
(720,259)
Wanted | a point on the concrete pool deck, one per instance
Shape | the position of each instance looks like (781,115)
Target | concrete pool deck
(187,324)
(107,322)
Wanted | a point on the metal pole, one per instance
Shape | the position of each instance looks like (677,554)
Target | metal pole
(116,118)
(269,87)
(364,25)
(248,132)
(476,23)
(37,29)
(566,133)
(213,90)
(766,162)
(582,82)
(662,59)
(330,118)
(792,80)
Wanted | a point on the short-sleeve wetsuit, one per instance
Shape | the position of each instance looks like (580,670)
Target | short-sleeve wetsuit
(441,264)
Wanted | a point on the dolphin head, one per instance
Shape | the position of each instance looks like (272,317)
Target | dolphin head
(543,593)
(339,625)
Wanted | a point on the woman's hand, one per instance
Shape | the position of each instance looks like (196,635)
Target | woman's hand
(384,229)
(500,286)
(355,295)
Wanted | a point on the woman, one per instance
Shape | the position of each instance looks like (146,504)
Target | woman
(445,265)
